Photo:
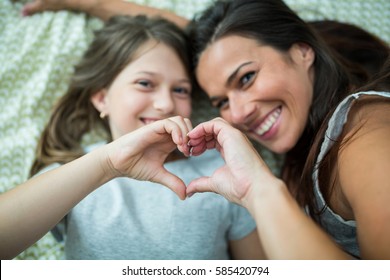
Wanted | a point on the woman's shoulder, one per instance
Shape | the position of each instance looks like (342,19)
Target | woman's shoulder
(363,166)
(364,145)
(367,113)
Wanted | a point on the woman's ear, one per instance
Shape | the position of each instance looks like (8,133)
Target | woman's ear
(303,53)
(99,101)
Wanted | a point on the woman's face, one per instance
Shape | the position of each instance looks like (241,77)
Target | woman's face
(264,92)
(154,86)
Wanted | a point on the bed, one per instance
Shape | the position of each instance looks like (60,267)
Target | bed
(37,55)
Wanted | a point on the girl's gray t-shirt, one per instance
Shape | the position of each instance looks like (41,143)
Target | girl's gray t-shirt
(130,219)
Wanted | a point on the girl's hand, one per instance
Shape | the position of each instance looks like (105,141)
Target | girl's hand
(142,153)
(243,166)
(38,6)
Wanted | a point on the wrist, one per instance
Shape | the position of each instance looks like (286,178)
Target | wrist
(101,163)
(105,9)
(262,192)
(86,6)
(107,164)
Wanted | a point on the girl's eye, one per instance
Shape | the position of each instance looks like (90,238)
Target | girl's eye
(246,78)
(182,90)
(145,83)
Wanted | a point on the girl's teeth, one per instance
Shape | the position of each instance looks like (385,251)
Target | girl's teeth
(148,121)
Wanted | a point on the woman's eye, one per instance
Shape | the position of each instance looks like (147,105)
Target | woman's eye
(246,78)
(221,104)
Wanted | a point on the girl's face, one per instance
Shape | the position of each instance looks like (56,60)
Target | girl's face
(265,93)
(154,86)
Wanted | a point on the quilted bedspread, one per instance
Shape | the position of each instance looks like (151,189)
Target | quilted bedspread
(37,55)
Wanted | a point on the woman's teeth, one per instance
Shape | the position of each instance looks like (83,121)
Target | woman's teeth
(268,122)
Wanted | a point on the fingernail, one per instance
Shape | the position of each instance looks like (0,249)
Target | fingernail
(190,194)
(191,151)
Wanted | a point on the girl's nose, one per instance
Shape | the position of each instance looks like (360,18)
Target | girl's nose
(164,102)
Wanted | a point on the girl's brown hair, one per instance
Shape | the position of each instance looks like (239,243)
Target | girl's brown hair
(113,48)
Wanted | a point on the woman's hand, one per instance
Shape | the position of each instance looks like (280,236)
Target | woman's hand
(243,166)
(142,153)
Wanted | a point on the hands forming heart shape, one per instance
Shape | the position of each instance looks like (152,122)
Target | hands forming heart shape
(154,142)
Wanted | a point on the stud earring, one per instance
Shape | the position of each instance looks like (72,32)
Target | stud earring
(102,115)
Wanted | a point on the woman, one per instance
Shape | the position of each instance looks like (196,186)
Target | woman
(275,80)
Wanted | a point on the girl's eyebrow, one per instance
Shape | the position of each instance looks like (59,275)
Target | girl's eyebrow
(184,80)
(234,74)
(147,72)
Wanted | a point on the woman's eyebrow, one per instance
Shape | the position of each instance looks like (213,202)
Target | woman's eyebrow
(214,99)
(234,74)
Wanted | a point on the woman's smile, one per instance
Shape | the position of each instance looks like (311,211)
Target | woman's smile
(265,128)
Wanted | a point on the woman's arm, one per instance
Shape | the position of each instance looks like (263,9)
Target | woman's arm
(247,248)
(285,231)
(363,168)
(28,211)
(103,9)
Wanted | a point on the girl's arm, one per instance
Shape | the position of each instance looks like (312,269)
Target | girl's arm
(103,9)
(285,231)
(28,211)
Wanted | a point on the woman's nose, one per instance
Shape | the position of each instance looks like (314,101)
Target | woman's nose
(239,109)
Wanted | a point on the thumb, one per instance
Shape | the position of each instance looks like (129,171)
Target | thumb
(172,182)
(32,8)
(202,184)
